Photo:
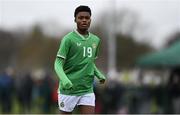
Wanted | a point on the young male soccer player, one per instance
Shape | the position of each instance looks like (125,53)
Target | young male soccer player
(75,65)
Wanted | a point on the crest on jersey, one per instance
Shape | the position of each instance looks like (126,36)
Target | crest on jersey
(94,45)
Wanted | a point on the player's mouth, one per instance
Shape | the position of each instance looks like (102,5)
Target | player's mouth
(84,25)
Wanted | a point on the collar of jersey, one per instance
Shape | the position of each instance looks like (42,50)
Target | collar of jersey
(83,38)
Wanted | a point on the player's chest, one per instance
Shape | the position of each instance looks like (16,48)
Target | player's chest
(85,48)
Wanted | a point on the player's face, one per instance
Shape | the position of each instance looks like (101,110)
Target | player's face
(83,20)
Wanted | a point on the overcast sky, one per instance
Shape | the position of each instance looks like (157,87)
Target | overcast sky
(162,15)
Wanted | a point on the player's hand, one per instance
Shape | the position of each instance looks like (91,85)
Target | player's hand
(102,81)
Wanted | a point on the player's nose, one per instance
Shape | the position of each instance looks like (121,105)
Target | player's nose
(84,20)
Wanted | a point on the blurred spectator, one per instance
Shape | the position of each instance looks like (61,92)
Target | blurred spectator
(42,91)
(98,102)
(46,89)
(24,84)
(173,90)
(6,91)
(111,97)
(54,95)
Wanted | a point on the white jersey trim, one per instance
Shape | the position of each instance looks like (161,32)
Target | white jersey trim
(82,35)
(61,56)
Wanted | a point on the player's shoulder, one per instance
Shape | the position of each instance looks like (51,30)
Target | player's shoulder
(95,37)
(68,36)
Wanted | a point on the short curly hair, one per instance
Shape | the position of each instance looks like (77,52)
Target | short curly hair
(82,8)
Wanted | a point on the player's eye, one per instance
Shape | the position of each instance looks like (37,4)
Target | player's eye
(83,17)
(80,17)
(87,17)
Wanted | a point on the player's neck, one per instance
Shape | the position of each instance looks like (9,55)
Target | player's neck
(83,32)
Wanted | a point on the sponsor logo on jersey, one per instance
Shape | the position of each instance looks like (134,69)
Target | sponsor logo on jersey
(78,44)
(94,45)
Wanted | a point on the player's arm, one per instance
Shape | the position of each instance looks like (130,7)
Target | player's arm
(59,63)
(99,75)
(58,66)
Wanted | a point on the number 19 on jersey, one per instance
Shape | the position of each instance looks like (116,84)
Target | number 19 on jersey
(87,51)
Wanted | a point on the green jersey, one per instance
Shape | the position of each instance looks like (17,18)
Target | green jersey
(79,53)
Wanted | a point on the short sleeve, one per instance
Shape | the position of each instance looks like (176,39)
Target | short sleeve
(63,48)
